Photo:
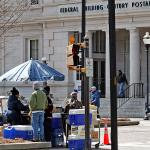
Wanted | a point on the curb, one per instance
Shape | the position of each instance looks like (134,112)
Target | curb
(120,122)
(26,146)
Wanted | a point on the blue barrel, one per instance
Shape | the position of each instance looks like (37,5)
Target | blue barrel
(76,142)
(9,132)
(18,131)
(56,121)
(57,138)
(77,117)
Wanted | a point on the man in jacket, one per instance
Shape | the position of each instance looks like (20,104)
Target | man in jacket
(95,98)
(38,103)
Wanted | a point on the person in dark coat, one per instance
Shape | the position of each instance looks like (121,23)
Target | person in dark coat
(48,115)
(122,80)
(14,108)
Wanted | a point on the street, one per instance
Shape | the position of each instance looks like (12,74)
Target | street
(134,137)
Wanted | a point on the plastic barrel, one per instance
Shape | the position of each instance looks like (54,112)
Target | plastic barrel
(57,138)
(77,117)
(76,142)
(18,131)
(9,132)
(56,121)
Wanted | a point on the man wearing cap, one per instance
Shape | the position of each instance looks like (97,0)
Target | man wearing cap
(38,103)
(44,60)
(70,103)
(95,97)
(73,102)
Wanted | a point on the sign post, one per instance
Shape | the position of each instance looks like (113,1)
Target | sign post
(89,67)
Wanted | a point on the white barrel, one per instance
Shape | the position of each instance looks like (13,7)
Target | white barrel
(75,137)
(56,115)
(77,111)
(22,127)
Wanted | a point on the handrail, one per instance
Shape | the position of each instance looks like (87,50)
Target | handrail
(135,90)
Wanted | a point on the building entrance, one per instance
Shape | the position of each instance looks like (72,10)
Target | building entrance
(99,75)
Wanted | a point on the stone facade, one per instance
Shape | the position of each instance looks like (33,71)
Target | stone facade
(52,21)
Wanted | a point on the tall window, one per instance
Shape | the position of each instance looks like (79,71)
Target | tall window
(98,41)
(34,46)
(34,2)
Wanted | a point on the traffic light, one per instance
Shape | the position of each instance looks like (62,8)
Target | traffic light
(75,52)
(72,55)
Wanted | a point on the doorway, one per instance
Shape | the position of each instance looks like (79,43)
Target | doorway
(99,75)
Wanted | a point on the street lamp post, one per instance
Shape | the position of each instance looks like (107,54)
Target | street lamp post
(146,40)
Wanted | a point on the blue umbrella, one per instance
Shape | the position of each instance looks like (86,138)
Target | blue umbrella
(32,70)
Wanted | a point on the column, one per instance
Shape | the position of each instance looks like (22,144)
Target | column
(107,66)
(134,56)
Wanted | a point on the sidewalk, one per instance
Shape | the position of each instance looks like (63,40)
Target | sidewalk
(133,137)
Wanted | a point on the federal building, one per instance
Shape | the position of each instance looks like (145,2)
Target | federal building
(45,32)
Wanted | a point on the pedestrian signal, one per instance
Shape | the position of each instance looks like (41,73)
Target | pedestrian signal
(71,39)
(72,55)
(75,52)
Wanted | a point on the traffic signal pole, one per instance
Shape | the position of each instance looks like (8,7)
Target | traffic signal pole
(84,81)
(113,89)
(83,55)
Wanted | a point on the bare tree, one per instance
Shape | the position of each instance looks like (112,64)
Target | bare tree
(10,13)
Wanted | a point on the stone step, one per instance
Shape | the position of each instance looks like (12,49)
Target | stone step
(133,108)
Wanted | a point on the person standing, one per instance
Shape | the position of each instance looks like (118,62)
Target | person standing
(70,103)
(14,108)
(48,115)
(38,103)
(122,80)
(95,98)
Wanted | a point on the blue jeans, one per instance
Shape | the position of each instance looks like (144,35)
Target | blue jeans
(37,121)
(121,89)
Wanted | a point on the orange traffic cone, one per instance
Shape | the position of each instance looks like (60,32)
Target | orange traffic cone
(106,137)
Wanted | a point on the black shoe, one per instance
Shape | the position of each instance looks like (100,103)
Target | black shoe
(67,144)
(98,116)
(35,140)
(146,118)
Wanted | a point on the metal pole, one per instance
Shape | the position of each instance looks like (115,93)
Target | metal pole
(113,89)
(84,81)
(87,111)
(83,55)
(87,120)
(147,101)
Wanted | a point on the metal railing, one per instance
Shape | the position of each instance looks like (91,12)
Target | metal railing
(135,90)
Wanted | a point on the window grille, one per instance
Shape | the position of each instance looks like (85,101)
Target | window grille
(34,2)
(34,49)
(98,42)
